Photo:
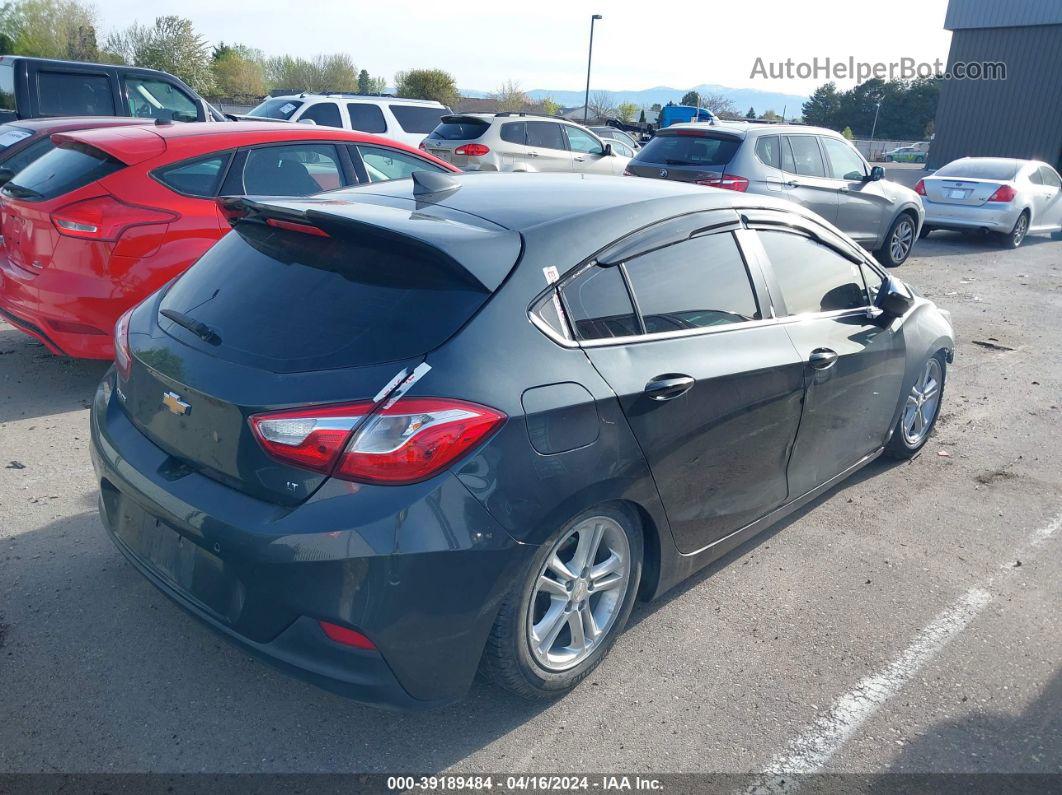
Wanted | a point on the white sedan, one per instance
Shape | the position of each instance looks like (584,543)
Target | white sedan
(1008,197)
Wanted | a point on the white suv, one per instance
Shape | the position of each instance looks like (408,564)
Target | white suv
(405,120)
(521,142)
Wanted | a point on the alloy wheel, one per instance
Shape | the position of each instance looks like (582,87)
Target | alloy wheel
(1020,228)
(922,404)
(579,593)
(902,238)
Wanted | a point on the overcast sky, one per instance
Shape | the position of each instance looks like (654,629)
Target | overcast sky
(542,44)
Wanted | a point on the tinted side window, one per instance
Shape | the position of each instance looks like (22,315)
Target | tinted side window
(292,170)
(515,132)
(366,118)
(417,119)
(844,162)
(693,284)
(384,164)
(812,277)
(767,150)
(196,177)
(546,134)
(1035,177)
(806,156)
(74,94)
(325,114)
(599,305)
(1049,177)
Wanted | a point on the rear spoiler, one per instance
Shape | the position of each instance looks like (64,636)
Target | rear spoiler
(130,145)
(484,255)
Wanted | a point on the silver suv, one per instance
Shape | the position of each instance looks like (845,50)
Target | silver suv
(812,166)
(521,142)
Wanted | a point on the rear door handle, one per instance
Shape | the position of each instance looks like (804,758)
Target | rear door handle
(532,154)
(669,386)
(580,159)
(822,358)
(792,184)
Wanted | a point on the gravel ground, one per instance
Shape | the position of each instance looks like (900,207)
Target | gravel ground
(906,621)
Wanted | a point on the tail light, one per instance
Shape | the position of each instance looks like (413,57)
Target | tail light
(294,226)
(105,218)
(920,187)
(726,181)
(1004,193)
(123,356)
(472,150)
(348,637)
(405,443)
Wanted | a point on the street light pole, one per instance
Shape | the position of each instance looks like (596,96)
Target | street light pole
(589,57)
(874,129)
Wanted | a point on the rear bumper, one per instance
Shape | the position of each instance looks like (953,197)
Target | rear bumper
(422,579)
(940,215)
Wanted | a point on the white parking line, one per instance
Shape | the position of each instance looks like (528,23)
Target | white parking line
(809,751)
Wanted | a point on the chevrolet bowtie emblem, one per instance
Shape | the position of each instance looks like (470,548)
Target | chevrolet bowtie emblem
(173,402)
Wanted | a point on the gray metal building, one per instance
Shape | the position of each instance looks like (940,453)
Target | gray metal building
(1020,116)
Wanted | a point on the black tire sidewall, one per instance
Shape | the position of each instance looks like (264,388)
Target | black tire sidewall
(560,682)
(1006,239)
(885,252)
(898,446)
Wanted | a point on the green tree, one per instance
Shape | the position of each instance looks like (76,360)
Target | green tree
(318,74)
(770,115)
(433,84)
(751,114)
(550,106)
(170,44)
(626,110)
(238,71)
(655,107)
(510,96)
(847,133)
(691,98)
(717,103)
(363,81)
(822,106)
(641,117)
(50,29)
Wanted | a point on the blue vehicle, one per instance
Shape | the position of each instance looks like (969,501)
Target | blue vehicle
(679,114)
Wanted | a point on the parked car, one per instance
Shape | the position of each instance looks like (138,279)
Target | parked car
(612,134)
(1003,196)
(32,88)
(520,142)
(405,120)
(684,114)
(110,215)
(812,166)
(905,154)
(23,142)
(396,435)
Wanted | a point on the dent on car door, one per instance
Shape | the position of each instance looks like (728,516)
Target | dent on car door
(712,395)
(853,362)
(861,202)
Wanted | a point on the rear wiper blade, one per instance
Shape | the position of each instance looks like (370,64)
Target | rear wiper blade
(679,163)
(20,192)
(197,327)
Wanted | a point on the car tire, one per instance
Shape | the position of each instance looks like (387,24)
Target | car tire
(924,232)
(1016,236)
(525,652)
(898,242)
(916,422)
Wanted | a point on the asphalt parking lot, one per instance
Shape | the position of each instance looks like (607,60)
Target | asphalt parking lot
(906,621)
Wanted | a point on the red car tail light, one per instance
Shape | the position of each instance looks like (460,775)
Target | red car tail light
(404,443)
(123,356)
(726,181)
(920,187)
(1004,193)
(313,437)
(415,439)
(294,226)
(348,637)
(105,218)
(472,150)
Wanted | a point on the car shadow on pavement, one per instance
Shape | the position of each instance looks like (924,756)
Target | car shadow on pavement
(992,742)
(103,673)
(945,243)
(35,383)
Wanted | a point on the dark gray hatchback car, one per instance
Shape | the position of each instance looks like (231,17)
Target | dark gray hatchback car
(392,435)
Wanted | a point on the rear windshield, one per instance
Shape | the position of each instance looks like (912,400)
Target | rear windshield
(460,130)
(417,119)
(688,150)
(10,134)
(979,169)
(277,109)
(62,170)
(291,302)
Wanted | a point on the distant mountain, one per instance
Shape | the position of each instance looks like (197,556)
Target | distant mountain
(743,98)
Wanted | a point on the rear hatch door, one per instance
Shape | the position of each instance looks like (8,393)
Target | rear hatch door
(686,155)
(452,132)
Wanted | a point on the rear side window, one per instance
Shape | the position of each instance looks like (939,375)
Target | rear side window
(806,156)
(417,119)
(366,118)
(693,284)
(200,177)
(811,276)
(767,150)
(515,132)
(600,306)
(1049,177)
(324,113)
(74,94)
(688,150)
(60,171)
(384,164)
(290,302)
(292,170)
(463,130)
(1035,177)
(546,134)
(20,160)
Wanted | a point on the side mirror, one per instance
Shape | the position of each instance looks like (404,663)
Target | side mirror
(895,297)
(608,150)
(6,175)
(876,173)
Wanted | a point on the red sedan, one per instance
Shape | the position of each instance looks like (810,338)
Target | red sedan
(110,215)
